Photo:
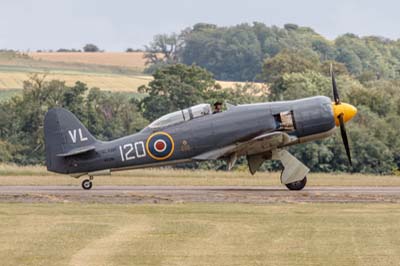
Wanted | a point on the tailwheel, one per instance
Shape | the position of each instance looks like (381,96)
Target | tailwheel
(87,184)
(298,185)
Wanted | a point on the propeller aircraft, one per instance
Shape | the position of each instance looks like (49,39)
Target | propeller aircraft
(260,131)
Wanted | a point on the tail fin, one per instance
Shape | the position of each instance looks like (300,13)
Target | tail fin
(64,136)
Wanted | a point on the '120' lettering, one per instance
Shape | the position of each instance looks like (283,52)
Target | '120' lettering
(132,151)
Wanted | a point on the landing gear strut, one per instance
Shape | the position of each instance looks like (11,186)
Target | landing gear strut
(87,183)
(294,173)
(297,185)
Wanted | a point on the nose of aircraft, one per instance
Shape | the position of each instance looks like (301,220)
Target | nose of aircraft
(348,111)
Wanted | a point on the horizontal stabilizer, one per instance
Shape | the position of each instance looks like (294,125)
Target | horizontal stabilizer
(77,151)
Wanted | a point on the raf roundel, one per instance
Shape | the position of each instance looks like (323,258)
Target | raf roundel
(160,146)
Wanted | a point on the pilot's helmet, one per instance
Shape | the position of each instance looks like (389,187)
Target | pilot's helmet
(217,103)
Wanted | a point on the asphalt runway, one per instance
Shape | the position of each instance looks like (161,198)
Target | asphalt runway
(181,194)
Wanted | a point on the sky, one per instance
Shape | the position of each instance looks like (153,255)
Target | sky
(119,24)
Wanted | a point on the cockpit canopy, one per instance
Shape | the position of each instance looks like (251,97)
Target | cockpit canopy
(182,116)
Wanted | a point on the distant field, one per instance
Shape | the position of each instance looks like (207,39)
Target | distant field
(110,71)
(38,175)
(17,62)
(107,71)
(120,59)
(104,81)
(110,82)
(199,234)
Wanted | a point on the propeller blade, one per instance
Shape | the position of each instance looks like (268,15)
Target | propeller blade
(334,86)
(344,137)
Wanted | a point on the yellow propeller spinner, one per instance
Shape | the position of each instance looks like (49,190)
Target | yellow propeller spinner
(348,111)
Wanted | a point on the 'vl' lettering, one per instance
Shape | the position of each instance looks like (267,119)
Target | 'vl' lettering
(72,134)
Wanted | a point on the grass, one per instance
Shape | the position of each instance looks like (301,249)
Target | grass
(25,63)
(120,59)
(199,234)
(37,175)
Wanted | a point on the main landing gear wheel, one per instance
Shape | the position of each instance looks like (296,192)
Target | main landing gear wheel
(298,185)
(87,184)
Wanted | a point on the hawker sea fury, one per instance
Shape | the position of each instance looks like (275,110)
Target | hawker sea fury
(259,131)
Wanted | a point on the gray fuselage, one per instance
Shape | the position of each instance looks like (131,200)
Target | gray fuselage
(312,118)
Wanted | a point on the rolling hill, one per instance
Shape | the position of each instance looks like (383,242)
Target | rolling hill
(112,71)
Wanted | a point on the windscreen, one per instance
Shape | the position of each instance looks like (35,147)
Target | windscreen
(182,116)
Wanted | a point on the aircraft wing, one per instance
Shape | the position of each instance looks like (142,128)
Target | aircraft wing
(265,142)
(258,145)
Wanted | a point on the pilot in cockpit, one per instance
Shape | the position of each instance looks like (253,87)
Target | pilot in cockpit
(217,107)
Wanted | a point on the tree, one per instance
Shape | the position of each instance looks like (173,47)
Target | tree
(64,50)
(25,115)
(338,68)
(91,48)
(370,154)
(237,52)
(287,62)
(351,60)
(238,94)
(5,152)
(163,50)
(229,53)
(112,115)
(107,115)
(324,48)
(293,86)
(175,87)
(290,26)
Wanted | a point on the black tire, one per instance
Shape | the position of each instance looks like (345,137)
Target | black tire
(298,185)
(87,184)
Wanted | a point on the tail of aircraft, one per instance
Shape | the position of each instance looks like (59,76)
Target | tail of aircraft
(65,136)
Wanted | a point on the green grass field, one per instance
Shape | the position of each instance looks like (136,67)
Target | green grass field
(200,234)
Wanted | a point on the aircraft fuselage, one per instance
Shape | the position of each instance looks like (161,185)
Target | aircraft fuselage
(311,118)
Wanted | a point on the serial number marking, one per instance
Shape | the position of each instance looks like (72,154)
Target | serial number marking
(131,151)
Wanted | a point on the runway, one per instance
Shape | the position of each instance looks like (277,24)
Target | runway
(182,194)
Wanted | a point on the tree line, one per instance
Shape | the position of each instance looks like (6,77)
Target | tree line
(240,52)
